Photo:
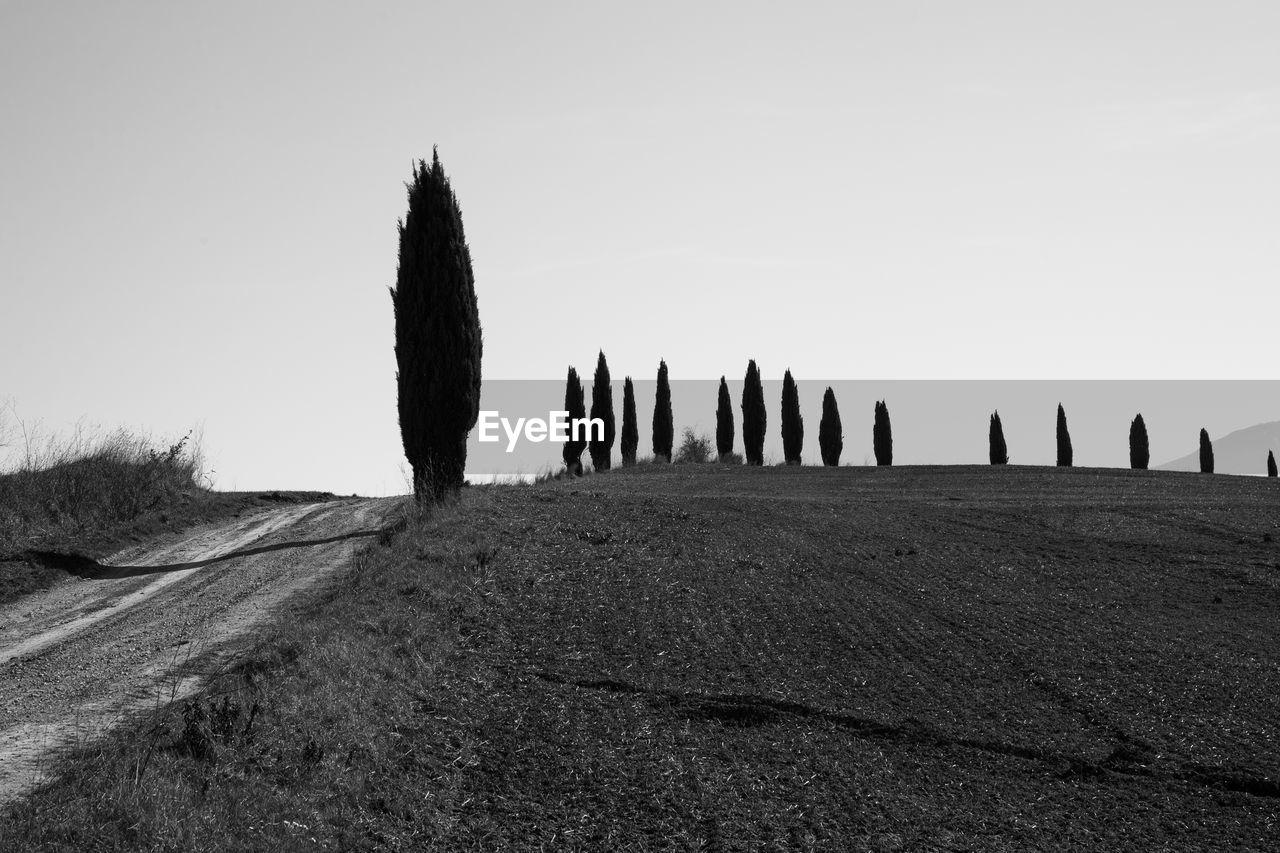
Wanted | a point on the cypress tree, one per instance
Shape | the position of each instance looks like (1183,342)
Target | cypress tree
(438,337)
(630,431)
(1139,451)
(1206,453)
(830,436)
(792,423)
(575,404)
(882,435)
(664,428)
(1064,440)
(724,422)
(602,407)
(1271,464)
(753,416)
(999,450)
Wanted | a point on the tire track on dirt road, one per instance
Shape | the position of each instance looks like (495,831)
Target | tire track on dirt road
(80,657)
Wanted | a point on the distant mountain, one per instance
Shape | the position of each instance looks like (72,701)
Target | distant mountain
(1241,452)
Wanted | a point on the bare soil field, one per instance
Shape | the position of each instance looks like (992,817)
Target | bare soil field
(700,657)
(959,658)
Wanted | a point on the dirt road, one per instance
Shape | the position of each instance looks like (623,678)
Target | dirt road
(147,625)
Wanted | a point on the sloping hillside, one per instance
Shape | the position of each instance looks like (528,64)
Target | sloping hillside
(700,657)
(1241,452)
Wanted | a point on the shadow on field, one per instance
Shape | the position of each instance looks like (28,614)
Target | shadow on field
(749,711)
(90,569)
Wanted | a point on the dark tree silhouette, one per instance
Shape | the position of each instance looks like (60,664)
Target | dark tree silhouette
(999,450)
(792,423)
(1064,440)
(630,438)
(664,428)
(1139,451)
(830,435)
(602,407)
(438,337)
(724,422)
(1206,453)
(882,435)
(1271,464)
(576,405)
(753,416)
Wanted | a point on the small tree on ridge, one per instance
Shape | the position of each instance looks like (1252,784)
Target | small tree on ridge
(1064,440)
(1139,450)
(575,404)
(664,428)
(999,451)
(602,407)
(830,436)
(882,435)
(753,416)
(1206,453)
(724,422)
(1271,464)
(630,438)
(792,423)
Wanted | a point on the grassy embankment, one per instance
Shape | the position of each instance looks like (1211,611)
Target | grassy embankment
(94,496)
(699,657)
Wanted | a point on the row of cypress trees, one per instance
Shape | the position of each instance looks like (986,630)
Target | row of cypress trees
(755,420)
(439,342)
(1139,447)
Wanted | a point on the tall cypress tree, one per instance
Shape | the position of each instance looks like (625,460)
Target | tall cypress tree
(438,338)
(664,428)
(753,416)
(630,430)
(1139,450)
(1271,464)
(830,434)
(1206,453)
(792,423)
(999,450)
(882,435)
(602,407)
(575,404)
(724,422)
(1064,440)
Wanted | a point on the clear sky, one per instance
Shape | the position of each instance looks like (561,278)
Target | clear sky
(198,202)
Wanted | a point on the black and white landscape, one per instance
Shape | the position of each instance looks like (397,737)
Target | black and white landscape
(675,426)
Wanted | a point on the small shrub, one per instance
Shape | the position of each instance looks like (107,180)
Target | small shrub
(209,724)
(694,448)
